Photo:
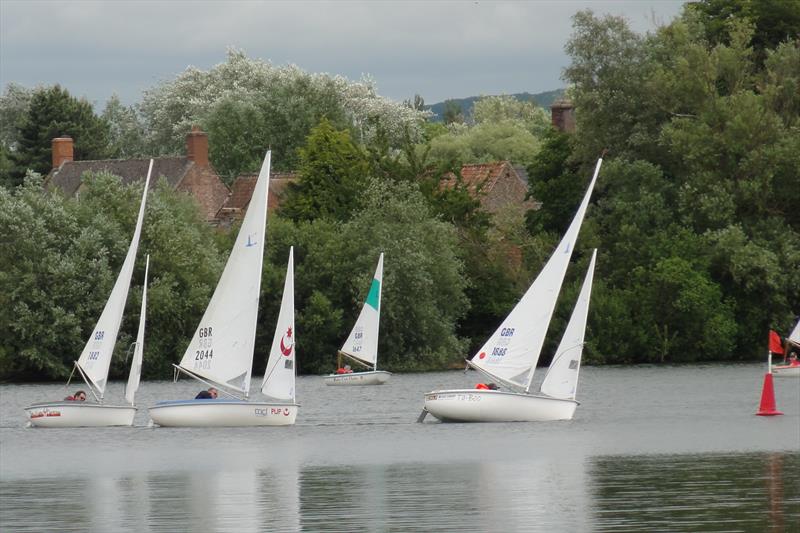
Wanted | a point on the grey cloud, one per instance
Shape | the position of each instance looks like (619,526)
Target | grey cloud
(437,49)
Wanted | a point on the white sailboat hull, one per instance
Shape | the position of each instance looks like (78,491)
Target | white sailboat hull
(479,405)
(222,413)
(786,371)
(79,414)
(373,377)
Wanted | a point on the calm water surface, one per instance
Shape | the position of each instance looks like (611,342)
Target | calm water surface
(650,449)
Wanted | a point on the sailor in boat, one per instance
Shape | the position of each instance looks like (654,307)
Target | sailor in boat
(486,386)
(79,396)
(210,394)
(345,370)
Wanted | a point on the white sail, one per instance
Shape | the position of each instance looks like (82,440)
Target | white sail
(221,349)
(95,359)
(138,350)
(362,344)
(279,375)
(794,336)
(561,380)
(511,353)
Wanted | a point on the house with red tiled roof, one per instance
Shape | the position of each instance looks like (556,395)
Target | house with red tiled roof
(497,185)
(235,206)
(191,173)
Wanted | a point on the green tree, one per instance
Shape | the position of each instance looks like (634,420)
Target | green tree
(453,114)
(53,112)
(774,21)
(126,137)
(14,104)
(332,175)
(694,204)
(556,182)
(505,108)
(62,256)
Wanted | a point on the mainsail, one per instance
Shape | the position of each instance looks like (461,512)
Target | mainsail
(138,350)
(221,349)
(95,359)
(362,344)
(511,353)
(279,376)
(561,380)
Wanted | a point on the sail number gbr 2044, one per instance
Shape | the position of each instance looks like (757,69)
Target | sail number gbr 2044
(202,356)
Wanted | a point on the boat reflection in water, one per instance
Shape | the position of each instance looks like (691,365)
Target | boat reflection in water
(734,492)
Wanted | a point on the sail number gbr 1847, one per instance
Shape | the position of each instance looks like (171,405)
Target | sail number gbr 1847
(203,356)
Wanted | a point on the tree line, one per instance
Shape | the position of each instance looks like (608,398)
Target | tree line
(695,214)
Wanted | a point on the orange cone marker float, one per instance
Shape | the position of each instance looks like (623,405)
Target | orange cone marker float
(767,407)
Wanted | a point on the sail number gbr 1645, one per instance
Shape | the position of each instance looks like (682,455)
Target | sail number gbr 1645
(203,356)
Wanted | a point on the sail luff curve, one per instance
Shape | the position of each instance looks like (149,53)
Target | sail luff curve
(95,359)
(362,343)
(512,351)
(221,349)
(138,351)
(561,380)
(279,376)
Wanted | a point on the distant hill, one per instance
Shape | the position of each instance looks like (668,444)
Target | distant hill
(544,100)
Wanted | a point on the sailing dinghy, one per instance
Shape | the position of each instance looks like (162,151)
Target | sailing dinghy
(510,355)
(221,350)
(95,361)
(361,345)
(791,366)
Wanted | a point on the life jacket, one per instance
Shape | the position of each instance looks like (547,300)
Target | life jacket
(482,386)
(341,371)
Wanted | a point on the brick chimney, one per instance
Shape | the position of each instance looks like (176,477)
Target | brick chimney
(563,115)
(62,150)
(197,146)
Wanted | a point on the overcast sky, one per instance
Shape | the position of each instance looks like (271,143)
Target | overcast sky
(437,49)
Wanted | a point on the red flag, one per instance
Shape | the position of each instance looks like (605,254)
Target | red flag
(775,345)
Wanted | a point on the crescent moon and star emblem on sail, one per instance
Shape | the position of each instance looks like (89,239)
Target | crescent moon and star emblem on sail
(287,350)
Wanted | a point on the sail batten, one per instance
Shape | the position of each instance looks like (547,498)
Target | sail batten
(513,350)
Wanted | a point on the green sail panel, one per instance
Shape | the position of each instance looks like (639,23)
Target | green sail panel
(374,294)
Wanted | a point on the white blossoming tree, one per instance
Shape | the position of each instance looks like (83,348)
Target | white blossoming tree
(280,102)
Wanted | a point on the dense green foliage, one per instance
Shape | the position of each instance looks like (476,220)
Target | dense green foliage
(696,209)
(61,256)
